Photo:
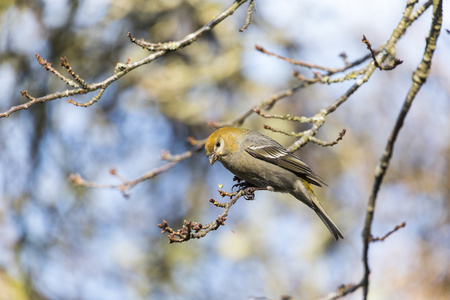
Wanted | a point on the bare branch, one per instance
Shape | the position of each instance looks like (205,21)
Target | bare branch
(392,66)
(48,66)
(89,103)
(295,62)
(127,185)
(249,15)
(287,117)
(196,230)
(328,144)
(330,71)
(80,87)
(342,291)
(65,63)
(419,78)
(26,95)
(292,133)
(381,239)
(319,119)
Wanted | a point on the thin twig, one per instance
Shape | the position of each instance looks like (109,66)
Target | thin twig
(89,103)
(286,117)
(249,15)
(390,67)
(342,291)
(301,63)
(278,130)
(48,66)
(127,185)
(294,62)
(328,144)
(65,63)
(381,239)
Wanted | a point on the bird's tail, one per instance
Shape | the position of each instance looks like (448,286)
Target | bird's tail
(327,221)
(307,196)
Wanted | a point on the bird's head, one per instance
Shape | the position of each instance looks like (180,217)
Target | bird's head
(222,142)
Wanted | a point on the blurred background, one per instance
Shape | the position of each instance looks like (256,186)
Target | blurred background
(58,241)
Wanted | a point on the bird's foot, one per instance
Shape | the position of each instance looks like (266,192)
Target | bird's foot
(250,192)
(242,185)
(248,188)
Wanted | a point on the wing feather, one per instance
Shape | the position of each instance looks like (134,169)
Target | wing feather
(279,156)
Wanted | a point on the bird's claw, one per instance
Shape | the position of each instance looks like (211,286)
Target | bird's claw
(242,185)
(249,193)
(248,188)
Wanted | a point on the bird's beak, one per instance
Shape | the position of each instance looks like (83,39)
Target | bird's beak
(212,158)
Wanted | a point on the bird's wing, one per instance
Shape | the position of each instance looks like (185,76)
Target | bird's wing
(279,156)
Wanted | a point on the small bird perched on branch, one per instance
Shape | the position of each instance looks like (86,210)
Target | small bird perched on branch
(264,163)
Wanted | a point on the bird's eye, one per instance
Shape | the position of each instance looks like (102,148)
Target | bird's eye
(218,144)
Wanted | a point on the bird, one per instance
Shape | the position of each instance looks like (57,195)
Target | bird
(264,163)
